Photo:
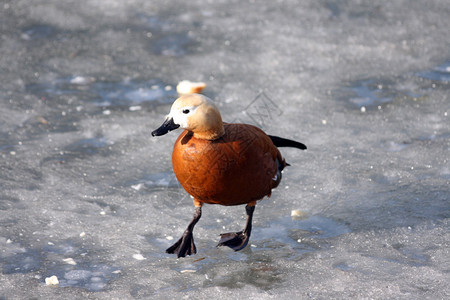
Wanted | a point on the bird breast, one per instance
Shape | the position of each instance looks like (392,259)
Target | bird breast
(235,169)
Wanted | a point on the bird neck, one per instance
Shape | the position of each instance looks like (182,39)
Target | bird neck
(210,134)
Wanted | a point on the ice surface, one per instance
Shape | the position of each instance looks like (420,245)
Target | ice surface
(89,196)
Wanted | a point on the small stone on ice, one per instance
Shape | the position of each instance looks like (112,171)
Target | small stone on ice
(169,237)
(69,261)
(53,280)
(188,87)
(298,214)
(82,234)
(103,213)
(42,120)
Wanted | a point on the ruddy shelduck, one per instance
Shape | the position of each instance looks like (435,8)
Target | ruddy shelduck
(220,163)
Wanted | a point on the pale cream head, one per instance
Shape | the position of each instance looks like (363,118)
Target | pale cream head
(197,113)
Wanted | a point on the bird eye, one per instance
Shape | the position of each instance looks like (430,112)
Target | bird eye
(185,111)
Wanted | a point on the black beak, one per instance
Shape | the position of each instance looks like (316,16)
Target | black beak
(167,126)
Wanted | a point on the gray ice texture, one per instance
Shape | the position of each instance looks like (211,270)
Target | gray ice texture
(87,195)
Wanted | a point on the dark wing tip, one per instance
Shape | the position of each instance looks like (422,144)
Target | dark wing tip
(282,142)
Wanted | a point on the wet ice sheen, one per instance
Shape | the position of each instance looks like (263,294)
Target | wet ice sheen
(440,73)
(87,195)
(369,93)
(104,93)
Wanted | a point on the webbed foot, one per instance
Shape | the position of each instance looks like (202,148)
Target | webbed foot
(238,240)
(184,246)
(235,240)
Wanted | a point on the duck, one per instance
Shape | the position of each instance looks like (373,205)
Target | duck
(221,163)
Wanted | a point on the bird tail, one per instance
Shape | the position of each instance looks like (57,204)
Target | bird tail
(282,142)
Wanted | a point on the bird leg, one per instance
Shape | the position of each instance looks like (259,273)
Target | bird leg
(238,240)
(185,245)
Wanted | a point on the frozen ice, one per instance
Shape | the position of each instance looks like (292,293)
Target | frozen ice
(89,196)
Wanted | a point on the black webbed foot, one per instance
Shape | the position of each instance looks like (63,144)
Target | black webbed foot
(235,240)
(185,245)
(238,240)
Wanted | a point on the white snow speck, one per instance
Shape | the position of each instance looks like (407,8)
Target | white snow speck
(138,256)
(52,280)
(135,108)
(137,187)
(80,80)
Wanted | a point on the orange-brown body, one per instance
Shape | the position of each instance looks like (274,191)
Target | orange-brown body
(239,167)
